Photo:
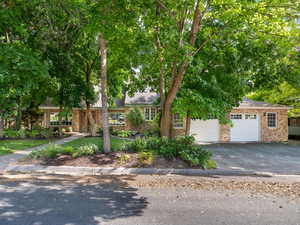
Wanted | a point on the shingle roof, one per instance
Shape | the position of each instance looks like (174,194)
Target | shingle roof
(142,98)
(248,103)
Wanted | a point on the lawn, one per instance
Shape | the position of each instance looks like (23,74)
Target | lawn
(9,146)
(116,144)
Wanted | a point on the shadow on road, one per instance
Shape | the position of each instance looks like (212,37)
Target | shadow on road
(35,202)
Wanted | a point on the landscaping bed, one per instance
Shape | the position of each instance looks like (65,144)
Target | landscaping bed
(142,153)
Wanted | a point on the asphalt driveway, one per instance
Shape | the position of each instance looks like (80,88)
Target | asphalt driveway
(274,157)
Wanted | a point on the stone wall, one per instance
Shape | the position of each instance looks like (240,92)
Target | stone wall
(278,134)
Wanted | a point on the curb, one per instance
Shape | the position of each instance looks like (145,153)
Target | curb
(83,171)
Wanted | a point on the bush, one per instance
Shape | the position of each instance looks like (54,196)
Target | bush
(136,118)
(10,133)
(50,152)
(170,149)
(145,158)
(53,151)
(152,132)
(86,150)
(124,158)
(124,133)
(196,156)
(46,133)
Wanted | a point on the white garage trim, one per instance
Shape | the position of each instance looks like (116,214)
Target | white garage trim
(205,130)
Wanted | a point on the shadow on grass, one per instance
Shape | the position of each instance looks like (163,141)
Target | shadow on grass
(68,202)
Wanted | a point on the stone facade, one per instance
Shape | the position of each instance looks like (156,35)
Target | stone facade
(278,134)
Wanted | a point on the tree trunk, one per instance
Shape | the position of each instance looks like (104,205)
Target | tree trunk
(187,123)
(178,75)
(166,120)
(60,120)
(19,115)
(105,124)
(1,127)
(91,124)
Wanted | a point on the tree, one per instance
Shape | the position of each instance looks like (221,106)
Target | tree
(183,30)
(22,73)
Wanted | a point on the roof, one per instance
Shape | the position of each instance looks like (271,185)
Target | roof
(150,98)
(142,98)
(248,103)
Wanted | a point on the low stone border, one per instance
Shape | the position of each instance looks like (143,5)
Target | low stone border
(82,171)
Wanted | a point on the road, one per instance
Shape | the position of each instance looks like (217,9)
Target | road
(149,200)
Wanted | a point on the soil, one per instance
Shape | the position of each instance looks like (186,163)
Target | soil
(114,159)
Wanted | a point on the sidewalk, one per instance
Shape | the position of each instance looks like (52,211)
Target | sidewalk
(11,158)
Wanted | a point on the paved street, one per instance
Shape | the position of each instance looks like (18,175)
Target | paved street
(146,200)
(274,157)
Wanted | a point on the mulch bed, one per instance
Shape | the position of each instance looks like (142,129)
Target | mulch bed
(113,159)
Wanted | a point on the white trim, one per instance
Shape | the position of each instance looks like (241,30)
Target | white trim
(276,120)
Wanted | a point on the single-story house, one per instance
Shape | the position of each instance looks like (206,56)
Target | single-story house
(252,121)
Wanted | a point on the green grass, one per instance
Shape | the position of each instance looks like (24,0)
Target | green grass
(9,146)
(116,144)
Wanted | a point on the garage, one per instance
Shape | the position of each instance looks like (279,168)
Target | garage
(245,127)
(205,130)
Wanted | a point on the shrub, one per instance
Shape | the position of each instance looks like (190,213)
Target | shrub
(152,132)
(10,133)
(137,145)
(50,152)
(136,118)
(124,158)
(123,133)
(145,158)
(170,149)
(86,150)
(46,133)
(196,156)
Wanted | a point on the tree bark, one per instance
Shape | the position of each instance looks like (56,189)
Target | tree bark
(1,127)
(105,124)
(178,75)
(187,123)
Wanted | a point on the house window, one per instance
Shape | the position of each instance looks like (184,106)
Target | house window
(236,116)
(177,121)
(150,114)
(250,116)
(66,120)
(116,119)
(272,120)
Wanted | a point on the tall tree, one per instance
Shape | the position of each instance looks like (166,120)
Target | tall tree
(103,79)
(182,30)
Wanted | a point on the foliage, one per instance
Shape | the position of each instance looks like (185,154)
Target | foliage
(85,150)
(145,158)
(152,132)
(34,133)
(116,144)
(284,94)
(175,148)
(136,118)
(124,158)
(50,152)
(4,150)
(196,156)
(124,133)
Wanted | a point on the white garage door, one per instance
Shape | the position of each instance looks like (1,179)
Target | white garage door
(245,127)
(205,130)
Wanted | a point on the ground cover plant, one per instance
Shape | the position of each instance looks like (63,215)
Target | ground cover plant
(141,152)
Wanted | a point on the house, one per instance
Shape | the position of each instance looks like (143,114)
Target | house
(252,121)
(294,127)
